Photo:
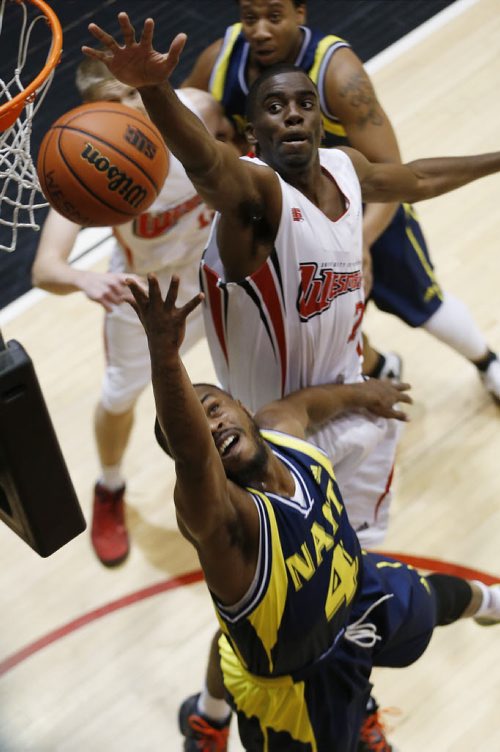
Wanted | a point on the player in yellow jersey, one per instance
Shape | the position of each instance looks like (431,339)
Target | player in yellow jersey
(397,259)
(304,613)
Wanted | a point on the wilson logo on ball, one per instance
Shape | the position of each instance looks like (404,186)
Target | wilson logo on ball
(137,138)
(118,181)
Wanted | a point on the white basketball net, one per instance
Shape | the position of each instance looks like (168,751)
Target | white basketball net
(20,193)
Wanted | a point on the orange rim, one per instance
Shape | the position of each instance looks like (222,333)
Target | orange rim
(10,111)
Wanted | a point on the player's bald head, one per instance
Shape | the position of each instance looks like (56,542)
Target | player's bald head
(253,102)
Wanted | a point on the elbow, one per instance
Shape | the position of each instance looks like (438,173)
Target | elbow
(206,174)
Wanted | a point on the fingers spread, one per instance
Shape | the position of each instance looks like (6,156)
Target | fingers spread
(154,289)
(127,29)
(400,415)
(96,54)
(137,290)
(102,36)
(178,43)
(402,389)
(173,290)
(128,297)
(192,304)
(175,49)
(402,397)
(403,386)
(147,32)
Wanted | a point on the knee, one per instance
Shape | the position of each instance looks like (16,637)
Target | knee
(453,595)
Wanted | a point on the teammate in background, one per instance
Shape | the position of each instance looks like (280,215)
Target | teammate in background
(281,219)
(169,238)
(404,282)
(304,613)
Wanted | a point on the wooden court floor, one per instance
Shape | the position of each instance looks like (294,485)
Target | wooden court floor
(97,659)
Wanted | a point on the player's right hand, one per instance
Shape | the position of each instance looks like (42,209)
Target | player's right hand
(383,397)
(135,63)
(109,289)
(163,322)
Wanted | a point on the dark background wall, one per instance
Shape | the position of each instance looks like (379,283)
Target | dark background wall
(370,26)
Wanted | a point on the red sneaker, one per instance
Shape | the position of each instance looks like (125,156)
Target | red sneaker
(201,734)
(372,736)
(109,533)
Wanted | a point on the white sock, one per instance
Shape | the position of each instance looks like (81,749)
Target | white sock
(112,477)
(490,605)
(453,324)
(216,710)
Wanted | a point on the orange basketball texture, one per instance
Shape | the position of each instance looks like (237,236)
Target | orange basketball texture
(102,164)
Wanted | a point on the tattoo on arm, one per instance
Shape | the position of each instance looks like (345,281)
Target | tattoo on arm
(360,96)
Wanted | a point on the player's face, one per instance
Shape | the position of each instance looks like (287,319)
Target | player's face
(287,122)
(217,123)
(271,28)
(236,435)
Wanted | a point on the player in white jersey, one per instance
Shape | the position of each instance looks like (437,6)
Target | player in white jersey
(169,238)
(303,308)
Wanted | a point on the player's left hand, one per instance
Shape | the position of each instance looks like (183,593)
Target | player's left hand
(163,322)
(135,63)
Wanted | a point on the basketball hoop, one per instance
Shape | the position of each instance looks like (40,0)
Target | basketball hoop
(19,102)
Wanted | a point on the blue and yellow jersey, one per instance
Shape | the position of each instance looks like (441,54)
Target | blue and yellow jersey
(307,573)
(228,82)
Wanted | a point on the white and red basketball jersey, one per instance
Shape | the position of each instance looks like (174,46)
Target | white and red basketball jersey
(167,239)
(174,230)
(295,321)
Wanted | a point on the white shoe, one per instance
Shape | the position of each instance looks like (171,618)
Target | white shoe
(493,618)
(491,379)
(392,369)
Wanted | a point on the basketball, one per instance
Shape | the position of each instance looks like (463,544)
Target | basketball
(102,164)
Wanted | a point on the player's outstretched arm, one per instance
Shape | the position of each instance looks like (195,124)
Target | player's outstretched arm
(222,180)
(179,411)
(213,513)
(52,271)
(422,178)
(304,411)
(351,96)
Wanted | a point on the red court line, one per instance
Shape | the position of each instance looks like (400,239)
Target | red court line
(419,562)
(444,567)
(97,613)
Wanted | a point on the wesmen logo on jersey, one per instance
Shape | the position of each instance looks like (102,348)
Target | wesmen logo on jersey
(319,288)
(153,224)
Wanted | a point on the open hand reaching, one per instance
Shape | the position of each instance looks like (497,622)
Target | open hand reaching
(135,63)
(163,322)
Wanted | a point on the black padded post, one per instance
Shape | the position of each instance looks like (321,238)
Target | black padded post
(37,498)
